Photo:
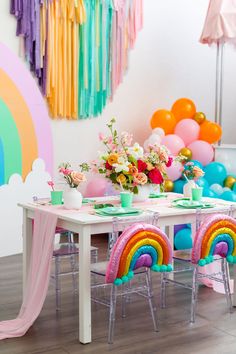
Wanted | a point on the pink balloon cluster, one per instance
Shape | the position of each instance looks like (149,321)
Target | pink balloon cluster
(186,134)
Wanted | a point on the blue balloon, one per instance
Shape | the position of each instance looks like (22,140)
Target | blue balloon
(197,163)
(228,195)
(209,193)
(215,172)
(177,228)
(183,239)
(202,182)
(178,186)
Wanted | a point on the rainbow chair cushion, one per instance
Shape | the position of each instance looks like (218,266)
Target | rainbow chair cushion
(216,236)
(140,245)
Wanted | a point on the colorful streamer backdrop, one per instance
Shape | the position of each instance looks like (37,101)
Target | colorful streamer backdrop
(78,49)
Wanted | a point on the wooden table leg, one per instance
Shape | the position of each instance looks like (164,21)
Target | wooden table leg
(170,233)
(234,277)
(27,232)
(84,285)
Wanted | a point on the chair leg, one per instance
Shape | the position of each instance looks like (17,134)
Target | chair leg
(112,313)
(74,273)
(194,294)
(123,302)
(225,276)
(57,283)
(150,299)
(163,290)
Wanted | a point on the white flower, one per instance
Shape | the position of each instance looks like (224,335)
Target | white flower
(136,151)
(121,165)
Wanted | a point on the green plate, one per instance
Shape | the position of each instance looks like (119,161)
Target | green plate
(189,204)
(118,211)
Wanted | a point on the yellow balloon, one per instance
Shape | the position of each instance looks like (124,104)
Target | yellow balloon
(229,181)
(186,152)
(199,117)
(168,185)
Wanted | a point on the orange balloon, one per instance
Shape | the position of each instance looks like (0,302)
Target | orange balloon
(163,119)
(183,108)
(210,132)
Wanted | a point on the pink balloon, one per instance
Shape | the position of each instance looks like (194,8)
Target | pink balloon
(202,151)
(174,172)
(97,187)
(188,130)
(173,142)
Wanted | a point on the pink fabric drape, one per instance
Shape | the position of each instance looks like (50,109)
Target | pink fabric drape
(39,272)
(220,23)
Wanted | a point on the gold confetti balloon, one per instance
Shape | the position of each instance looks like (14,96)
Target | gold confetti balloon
(229,181)
(186,153)
(199,117)
(168,186)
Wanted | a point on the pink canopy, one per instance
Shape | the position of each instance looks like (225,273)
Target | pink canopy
(220,23)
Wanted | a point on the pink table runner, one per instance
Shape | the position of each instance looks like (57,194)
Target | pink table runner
(39,272)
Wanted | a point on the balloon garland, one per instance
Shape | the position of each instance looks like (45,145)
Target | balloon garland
(77,49)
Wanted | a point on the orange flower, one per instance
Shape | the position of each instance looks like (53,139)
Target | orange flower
(121,179)
(77,177)
(150,166)
(141,178)
(112,158)
(133,170)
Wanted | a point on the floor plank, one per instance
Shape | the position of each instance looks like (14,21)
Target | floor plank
(214,331)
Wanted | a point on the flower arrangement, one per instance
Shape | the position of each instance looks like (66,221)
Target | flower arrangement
(72,177)
(128,165)
(192,172)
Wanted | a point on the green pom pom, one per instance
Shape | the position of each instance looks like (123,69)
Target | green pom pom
(117,281)
(125,279)
(156,268)
(130,275)
(207,259)
(163,268)
(169,268)
(211,258)
(230,259)
(201,262)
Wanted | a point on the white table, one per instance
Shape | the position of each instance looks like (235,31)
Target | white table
(86,224)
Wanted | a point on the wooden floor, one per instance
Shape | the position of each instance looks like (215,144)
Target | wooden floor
(213,332)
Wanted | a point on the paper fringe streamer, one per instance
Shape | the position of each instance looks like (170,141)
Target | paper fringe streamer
(78,49)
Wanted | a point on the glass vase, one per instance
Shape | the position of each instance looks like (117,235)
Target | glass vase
(187,190)
(72,199)
(143,194)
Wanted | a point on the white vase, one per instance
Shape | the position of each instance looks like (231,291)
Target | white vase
(143,193)
(72,199)
(187,190)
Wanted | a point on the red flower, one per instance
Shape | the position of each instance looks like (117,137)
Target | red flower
(108,166)
(155,176)
(141,166)
(169,162)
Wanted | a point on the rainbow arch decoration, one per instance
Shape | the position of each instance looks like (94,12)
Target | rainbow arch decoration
(25,131)
(216,236)
(140,245)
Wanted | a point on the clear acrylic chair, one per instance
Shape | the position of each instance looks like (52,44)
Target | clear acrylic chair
(63,251)
(139,248)
(215,241)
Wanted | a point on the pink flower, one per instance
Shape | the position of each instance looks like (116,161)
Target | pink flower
(77,177)
(51,184)
(155,176)
(65,171)
(126,138)
(140,178)
(197,172)
(141,166)
(169,162)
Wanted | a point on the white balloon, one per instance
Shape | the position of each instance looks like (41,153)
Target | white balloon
(217,188)
(159,131)
(225,189)
(153,139)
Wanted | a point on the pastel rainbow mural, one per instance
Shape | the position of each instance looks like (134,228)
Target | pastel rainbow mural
(216,236)
(25,131)
(140,245)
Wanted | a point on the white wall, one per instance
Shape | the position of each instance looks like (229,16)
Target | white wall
(168,62)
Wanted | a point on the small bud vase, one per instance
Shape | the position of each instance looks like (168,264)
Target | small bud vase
(72,199)
(187,190)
